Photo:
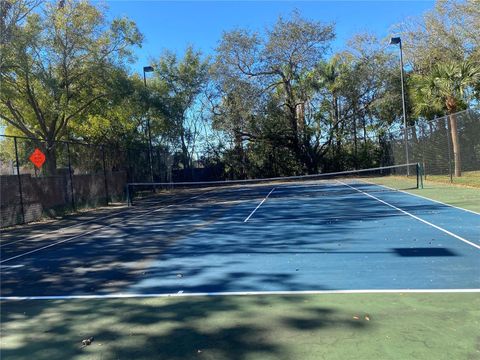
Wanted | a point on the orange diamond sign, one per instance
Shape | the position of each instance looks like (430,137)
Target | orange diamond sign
(37,158)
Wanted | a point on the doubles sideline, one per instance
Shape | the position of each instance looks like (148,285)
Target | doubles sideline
(124,221)
(422,197)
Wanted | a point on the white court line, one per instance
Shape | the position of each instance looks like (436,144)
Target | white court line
(414,216)
(253,212)
(64,228)
(74,225)
(95,230)
(242,293)
(11,266)
(49,245)
(423,197)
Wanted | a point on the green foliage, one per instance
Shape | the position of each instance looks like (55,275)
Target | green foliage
(449,87)
(450,32)
(271,104)
(58,63)
(180,85)
(275,71)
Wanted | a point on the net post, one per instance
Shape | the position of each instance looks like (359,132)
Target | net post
(129,199)
(419,172)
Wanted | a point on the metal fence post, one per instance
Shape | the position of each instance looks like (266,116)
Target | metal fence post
(105,176)
(19,180)
(71,176)
(421,170)
(449,145)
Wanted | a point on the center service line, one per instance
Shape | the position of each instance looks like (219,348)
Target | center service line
(253,212)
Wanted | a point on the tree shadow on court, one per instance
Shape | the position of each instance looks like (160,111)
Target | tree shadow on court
(201,247)
(233,328)
(207,247)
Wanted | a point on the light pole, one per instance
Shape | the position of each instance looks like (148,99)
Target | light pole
(145,70)
(395,41)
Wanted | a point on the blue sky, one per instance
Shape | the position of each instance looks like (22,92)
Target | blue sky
(174,25)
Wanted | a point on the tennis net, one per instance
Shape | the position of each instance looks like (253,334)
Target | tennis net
(387,178)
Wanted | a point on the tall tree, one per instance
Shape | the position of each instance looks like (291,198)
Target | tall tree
(60,61)
(449,88)
(183,82)
(448,32)
(277,63)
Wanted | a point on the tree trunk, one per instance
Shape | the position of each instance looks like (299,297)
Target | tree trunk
(240,172)
(295,144)
(364,128)
(456,145)
(300,113)
(50,161)
(338,130)
(185,157)
(355,145)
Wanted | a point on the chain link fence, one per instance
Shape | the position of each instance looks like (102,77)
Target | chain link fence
(448,148)
(74,175)
(77,175)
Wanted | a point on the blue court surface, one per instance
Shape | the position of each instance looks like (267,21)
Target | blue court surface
(266,238)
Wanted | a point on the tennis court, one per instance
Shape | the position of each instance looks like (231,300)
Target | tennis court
(310,235)
(282,254)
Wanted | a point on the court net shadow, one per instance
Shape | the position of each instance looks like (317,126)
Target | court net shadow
(424,252)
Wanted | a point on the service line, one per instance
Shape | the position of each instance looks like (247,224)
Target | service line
(414,216)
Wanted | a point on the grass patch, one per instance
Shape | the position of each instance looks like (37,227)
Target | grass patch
(331,326)
(460,195)
(468,178)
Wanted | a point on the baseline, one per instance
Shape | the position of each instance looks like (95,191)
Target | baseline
(239,293)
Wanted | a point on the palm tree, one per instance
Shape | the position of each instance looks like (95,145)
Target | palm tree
(446,88)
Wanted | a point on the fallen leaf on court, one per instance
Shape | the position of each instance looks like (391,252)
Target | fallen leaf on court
(367,317)
(356,317)
(88,341)
(179,275)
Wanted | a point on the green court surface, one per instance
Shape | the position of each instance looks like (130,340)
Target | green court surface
(465,197)
(323,326)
